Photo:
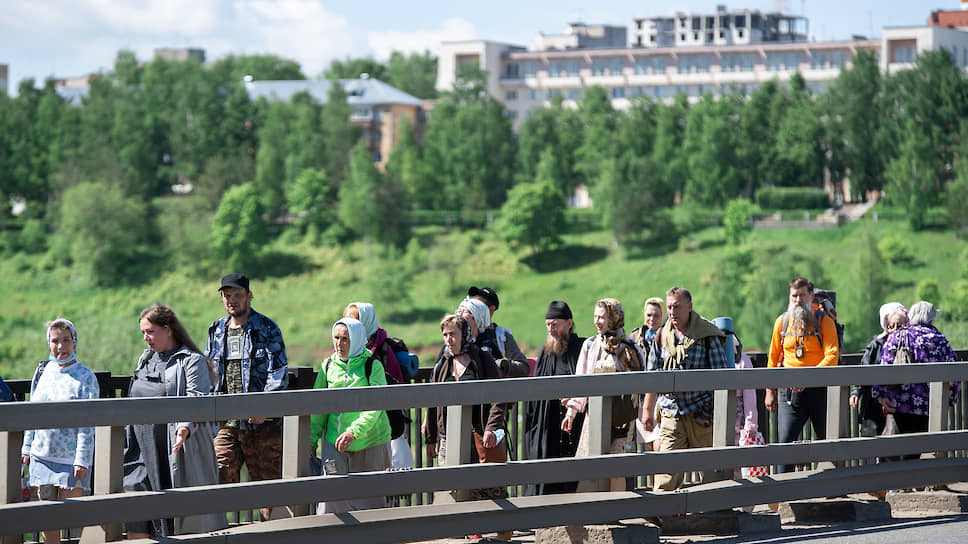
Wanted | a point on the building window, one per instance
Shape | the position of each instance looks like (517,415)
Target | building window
(728,63)
(572,67)
(510,96)
(709,37)
(818,61)
(530,69)
(659,65)
(512,70)
(555,68)
(532,95)
(722,34)
(746,62)
(739,22)
(618,92)
(511,114)
(774,62)
(740,33)
(684,64)
(792,61)
(616,66)
(573,94)
(702,63)
(598,67)
(682,37)
(838,59)
(553,93)
(642,65)
(904,54)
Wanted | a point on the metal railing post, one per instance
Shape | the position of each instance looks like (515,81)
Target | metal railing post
(10,470)
(108,478)
(838,418)
(724,418)
(938,410)
(599,417)
(295,454)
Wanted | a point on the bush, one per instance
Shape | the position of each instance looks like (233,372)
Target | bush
(929,290)
(737,219)
(792,198)
(895,249)
(956,303)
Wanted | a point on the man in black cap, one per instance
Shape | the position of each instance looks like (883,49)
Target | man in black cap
(507,346)
(543,437)
(248,350)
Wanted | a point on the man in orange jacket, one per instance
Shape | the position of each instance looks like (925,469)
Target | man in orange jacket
(802,336)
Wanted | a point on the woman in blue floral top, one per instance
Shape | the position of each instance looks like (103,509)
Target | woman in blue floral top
(908,403)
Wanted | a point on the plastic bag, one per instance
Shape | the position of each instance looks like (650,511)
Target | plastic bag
(752,437)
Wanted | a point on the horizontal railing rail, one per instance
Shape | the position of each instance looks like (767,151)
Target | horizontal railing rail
(106,412)
(107,507)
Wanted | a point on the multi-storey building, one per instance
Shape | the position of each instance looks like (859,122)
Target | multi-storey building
(179,54)
(741,27)
(524,80)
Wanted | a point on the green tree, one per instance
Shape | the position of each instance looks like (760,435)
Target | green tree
(599,123)
(414,74)
(712,178)
(312,201)
(354,68)
(554,128)
(339,134)
(102,231)
(359,207)
(670,160)
(956,195)
(270,159)
(799,157)
(403,166)
(239,230)
(870,286)
(957,300)
(756,137)
(853,107)
(911,176)
(736,220)
(533,215)
(727,279)
(219,175)
(232,68)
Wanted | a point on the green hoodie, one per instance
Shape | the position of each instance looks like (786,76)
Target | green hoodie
(371,427)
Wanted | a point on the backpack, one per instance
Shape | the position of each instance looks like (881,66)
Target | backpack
(409,362)
(826,302)
(398,420)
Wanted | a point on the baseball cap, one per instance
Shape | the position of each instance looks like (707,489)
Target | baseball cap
(235,280)
(486,293)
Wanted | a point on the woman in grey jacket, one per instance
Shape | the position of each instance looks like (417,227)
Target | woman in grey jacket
(164,456)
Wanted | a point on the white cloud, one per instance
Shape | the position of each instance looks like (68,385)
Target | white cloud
(453,29)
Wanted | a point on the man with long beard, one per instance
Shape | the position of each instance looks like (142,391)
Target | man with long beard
(802,336)
(543,436)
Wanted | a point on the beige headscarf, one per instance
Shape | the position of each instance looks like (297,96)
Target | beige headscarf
(614,340)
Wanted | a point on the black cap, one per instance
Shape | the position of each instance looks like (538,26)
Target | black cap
(558,309)
(486,293)
(235,280)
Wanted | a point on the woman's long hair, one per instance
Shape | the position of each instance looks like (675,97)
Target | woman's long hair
(163,316)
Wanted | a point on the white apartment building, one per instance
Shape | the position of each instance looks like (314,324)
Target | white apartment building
(738,27)
(524,80)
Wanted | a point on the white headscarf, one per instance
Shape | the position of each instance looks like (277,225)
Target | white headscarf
(480,311)
(887,310)
(367,317)
(357,336)
(61,321)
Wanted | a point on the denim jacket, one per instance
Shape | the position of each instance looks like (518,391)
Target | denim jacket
(264,364)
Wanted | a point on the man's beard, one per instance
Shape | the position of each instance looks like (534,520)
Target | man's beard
(557,345)
(801,316)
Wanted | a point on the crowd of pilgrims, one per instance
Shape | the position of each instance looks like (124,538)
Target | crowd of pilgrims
(672,336)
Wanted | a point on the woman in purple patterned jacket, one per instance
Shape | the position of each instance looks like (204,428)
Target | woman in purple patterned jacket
(908,403)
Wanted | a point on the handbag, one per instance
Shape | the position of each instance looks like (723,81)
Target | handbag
(904,356)
(751,437)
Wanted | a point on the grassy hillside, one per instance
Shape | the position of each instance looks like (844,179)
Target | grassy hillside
(324,280)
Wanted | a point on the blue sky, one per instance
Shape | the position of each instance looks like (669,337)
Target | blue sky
(67,38)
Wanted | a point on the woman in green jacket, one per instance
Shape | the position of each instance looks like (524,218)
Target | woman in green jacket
(353,441)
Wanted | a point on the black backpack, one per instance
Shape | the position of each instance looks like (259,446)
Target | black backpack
(398,420)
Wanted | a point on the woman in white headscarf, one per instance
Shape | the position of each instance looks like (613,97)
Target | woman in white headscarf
(376,337)
(871,415)
(352,441)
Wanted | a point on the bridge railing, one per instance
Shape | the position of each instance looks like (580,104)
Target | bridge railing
(108,506)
